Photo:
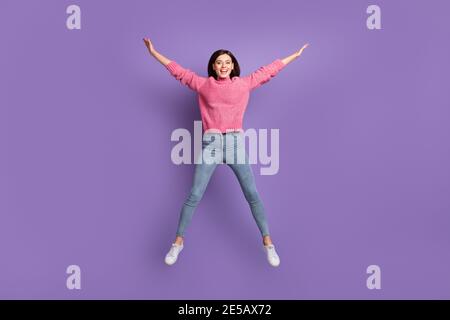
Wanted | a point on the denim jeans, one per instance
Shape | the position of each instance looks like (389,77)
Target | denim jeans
(220,148)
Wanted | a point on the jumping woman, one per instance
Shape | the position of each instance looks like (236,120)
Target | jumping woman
(223,97)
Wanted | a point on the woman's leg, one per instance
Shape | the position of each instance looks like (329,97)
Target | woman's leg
(202,174)
(237,158)
(246,179)
(243,172)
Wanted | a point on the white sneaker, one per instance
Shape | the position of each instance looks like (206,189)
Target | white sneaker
(272,255)
(172,255)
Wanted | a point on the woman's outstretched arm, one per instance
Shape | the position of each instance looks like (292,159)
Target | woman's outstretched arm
(158,56)
(185,76)
(265,73)
(295,55)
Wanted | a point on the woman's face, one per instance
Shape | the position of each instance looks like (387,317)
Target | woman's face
(223,66)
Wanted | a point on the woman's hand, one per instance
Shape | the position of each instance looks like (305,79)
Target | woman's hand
(295,55)
(149,45)
(299,52)
(158,56)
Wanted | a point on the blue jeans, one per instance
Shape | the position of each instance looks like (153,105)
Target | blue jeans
(226,148)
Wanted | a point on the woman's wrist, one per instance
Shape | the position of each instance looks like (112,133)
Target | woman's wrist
(289,58)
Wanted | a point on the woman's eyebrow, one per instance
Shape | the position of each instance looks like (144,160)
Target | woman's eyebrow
(222,60)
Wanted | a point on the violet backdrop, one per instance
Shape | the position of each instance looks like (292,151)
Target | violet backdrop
(86,175)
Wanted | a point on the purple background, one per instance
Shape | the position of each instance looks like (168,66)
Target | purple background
(86,176)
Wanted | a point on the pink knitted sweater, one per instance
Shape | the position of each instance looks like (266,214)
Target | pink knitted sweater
(223,102)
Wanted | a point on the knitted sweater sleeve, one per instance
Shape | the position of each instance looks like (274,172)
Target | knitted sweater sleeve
(185,76)
(264,74)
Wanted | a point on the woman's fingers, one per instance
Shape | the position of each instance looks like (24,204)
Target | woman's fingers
(299,52)
(148,43)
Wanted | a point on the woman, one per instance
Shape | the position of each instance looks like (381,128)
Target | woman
(223,98)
